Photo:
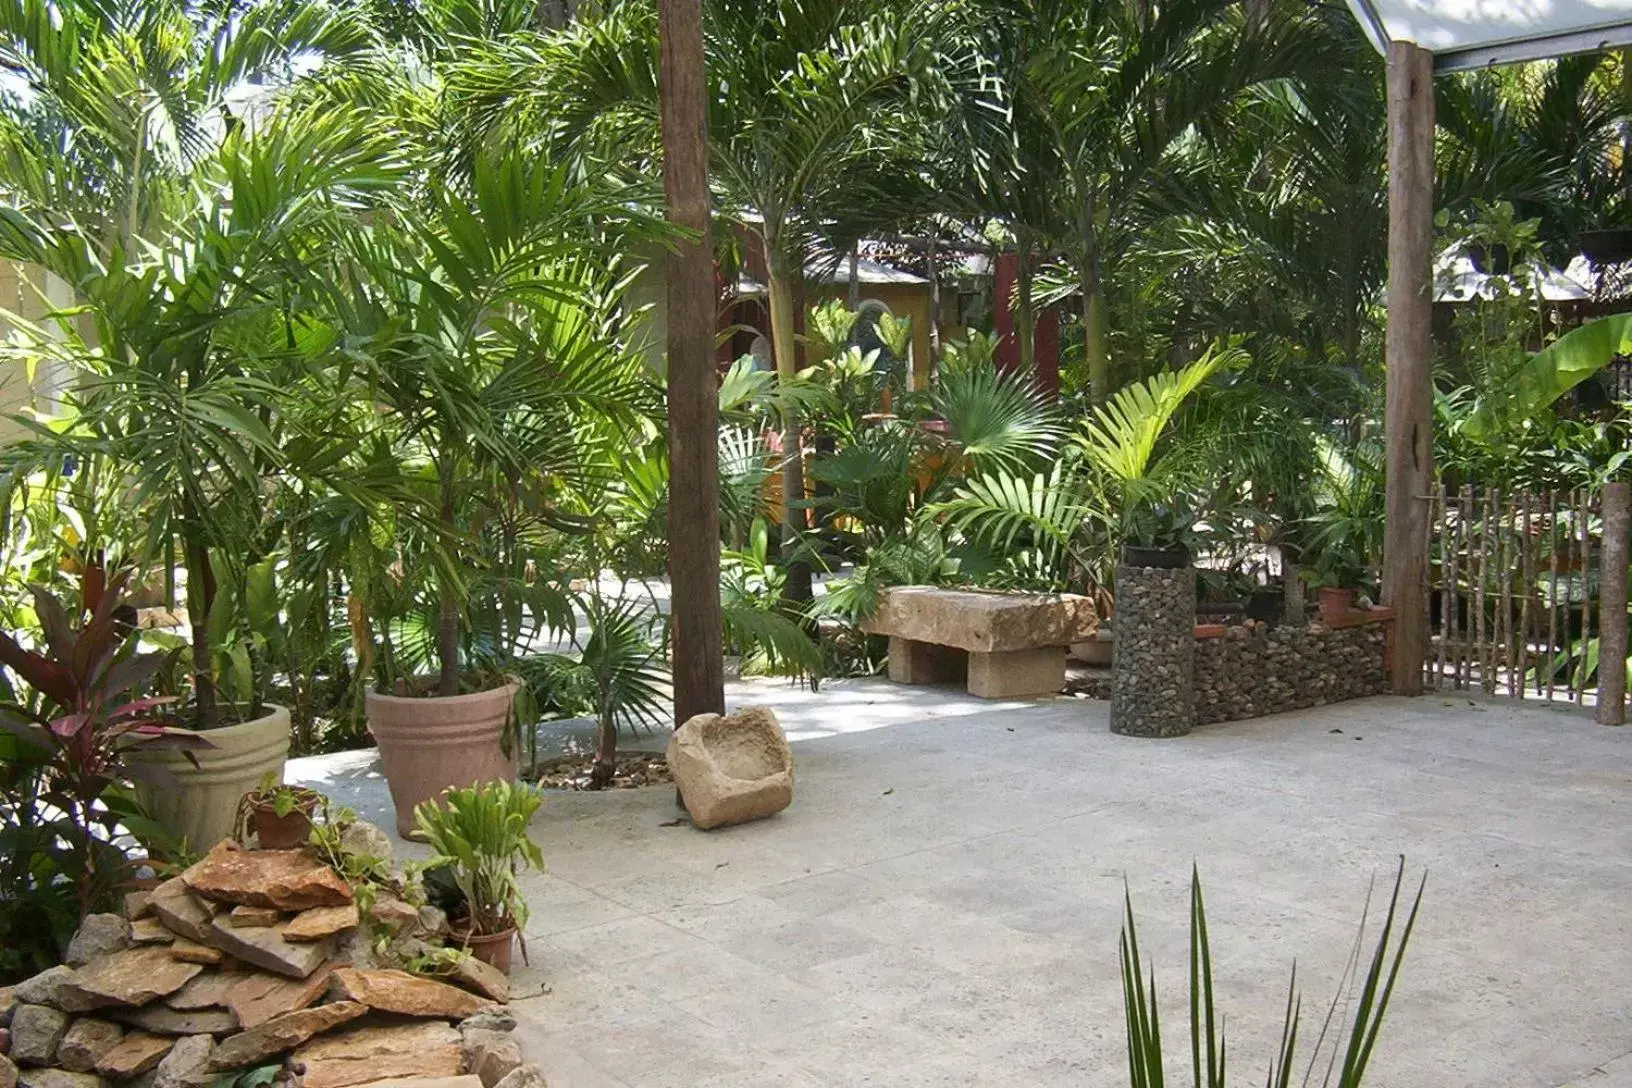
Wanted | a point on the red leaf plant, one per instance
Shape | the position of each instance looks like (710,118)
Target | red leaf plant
(89,718)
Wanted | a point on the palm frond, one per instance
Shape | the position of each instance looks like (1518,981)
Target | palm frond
(998,421)
(785,645)
(1005,511)
(1121,437)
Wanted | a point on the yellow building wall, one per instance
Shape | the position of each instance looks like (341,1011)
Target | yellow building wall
(19,296)
(910,300)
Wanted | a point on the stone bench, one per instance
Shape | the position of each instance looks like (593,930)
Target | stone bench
(1002,645)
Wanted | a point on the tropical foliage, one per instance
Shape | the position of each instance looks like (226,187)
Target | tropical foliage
(480,834)
(341,321)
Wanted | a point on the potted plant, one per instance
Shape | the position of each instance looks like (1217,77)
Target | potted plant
(1335,561)
(1343,536)
(480,837)
(279,815)
(1337,574)
(498,387)
(1156,532)
(1149,480)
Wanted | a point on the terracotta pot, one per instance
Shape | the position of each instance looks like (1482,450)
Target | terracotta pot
(1336,602)
(430,744)
(274,832)
(202,806)
(493,949)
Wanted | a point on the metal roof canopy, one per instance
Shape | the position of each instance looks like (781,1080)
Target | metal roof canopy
(1465,34)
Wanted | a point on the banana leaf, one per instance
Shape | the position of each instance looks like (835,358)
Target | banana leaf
(1554,371)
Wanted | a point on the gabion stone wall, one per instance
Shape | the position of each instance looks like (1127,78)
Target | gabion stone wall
(1152,665)
(1255,669)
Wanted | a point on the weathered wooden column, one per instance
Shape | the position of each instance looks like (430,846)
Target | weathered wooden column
(694,511)
(1617,515)
(1408,414)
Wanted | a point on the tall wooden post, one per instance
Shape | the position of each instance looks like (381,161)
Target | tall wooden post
(694,511)
(1617,513)
(1408,414)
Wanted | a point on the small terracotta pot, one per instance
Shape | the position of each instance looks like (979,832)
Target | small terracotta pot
(493,949)
(1336,602)
(274,832)
(428,745)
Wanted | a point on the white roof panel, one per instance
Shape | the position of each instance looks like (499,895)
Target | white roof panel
(1476,33)
(1456,280)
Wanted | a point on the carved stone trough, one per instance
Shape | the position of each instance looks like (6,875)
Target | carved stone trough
(732,768)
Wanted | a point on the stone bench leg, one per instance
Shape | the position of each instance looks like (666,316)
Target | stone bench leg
(1017,673)
(925,663)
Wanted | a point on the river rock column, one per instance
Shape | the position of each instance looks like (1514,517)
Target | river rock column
(1153,692)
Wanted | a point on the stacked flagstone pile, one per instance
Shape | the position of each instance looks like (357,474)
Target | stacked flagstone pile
(249,959)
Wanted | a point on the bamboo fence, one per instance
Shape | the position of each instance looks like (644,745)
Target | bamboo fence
(1511,596)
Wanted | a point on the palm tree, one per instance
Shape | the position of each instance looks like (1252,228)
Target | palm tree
(122,104)
(1547,138)
(135,167)
(806,99)
(483,314)
(1117,88)
(1128,475)
(195,345)
(1279,224)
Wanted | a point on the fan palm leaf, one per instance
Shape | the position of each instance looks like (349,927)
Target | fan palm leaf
(998,421)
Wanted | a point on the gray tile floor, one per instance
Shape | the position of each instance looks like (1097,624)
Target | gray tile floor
(941,904)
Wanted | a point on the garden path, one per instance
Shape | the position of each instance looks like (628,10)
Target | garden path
(941,904)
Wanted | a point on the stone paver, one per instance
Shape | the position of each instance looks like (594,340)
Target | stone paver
(941,904)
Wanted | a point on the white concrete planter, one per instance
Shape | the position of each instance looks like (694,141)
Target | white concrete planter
(203,804)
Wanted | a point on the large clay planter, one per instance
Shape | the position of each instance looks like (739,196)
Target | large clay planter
(430,744)
(202,805)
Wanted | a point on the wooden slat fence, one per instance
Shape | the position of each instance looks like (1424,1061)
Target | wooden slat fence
(1512,596)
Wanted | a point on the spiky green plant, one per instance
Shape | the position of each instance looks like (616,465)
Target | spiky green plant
(1346,1060)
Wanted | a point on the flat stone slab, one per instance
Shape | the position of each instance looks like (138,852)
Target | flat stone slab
(135,1054)
(407,995)
(321,922)
(58,1078)
(282,1033)
(983,622)
(162,1020)
(266,948)
(150,931)
(362,1055)
(207,990)
(133,977)
(244,916)
(181,912)
(257,998)
(290,880)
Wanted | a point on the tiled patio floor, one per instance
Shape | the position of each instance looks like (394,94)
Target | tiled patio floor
(941,904)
